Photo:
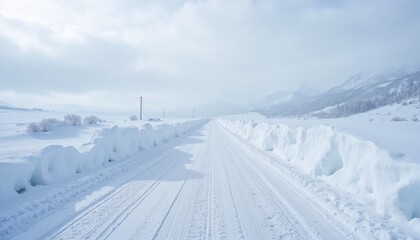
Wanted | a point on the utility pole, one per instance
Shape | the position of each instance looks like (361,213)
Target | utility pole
(164,113)
(141,108)
(193,113)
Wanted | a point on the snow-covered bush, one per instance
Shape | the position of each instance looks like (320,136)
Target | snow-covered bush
(133,118)
(33,127)
(48,124)
(44,126)
(55,162)
(72,119)
(92,120)
(398,119)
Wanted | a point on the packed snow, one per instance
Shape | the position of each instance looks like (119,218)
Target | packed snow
(241,176)
(66,148)
(350,155)
(206,185)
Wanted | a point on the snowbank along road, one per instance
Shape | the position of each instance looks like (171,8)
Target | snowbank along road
(207,185)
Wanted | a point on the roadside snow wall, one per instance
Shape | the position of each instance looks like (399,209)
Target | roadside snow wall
(351,164)
(55,163)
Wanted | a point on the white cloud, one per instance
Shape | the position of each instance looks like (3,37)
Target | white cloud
(197,51)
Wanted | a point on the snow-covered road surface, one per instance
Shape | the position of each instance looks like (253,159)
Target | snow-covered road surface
(208,185)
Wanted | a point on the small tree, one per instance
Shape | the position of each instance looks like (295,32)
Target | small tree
(72,119)
(92,120)
(48,124)
(33,127)
(398,119)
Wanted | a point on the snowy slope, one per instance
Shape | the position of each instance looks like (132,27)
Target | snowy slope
(282,99)
(360,93)
(364,80)
(5,104)
(270,100)
(408,110)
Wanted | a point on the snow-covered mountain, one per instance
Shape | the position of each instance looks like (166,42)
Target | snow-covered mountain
(5,104)
(279,98)
(360,93)
(361,80)
(270,100)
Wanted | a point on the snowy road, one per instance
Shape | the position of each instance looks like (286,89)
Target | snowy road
(207,186)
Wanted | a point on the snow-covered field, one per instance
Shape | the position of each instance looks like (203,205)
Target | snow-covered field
(237,177)
(375,160)
(35,163)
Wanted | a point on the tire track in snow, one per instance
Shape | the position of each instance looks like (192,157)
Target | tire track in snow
(199,222)
(113,201)
(239,198)
(198,225)
(176,197)
(155,213)
(316,224)
(210,195)
(282,223)
(240,227)
(54,201)
(276,212)
(123,215)
(181,216)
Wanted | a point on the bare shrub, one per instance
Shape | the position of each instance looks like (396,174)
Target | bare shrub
(33,127)
(48,124)
(398,119)
(91,120)
(72,119)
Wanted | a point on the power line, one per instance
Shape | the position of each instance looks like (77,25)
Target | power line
(152,109)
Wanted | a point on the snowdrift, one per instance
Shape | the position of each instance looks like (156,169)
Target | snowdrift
(351,164)
(55,163)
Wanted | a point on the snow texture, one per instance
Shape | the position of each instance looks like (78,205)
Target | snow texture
(56,162)
(354,165)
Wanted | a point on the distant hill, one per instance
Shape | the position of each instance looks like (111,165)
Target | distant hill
(64,107)
(360,93)
(5,104)
(279,99)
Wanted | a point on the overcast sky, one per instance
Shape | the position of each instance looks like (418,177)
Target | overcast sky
(184,53)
